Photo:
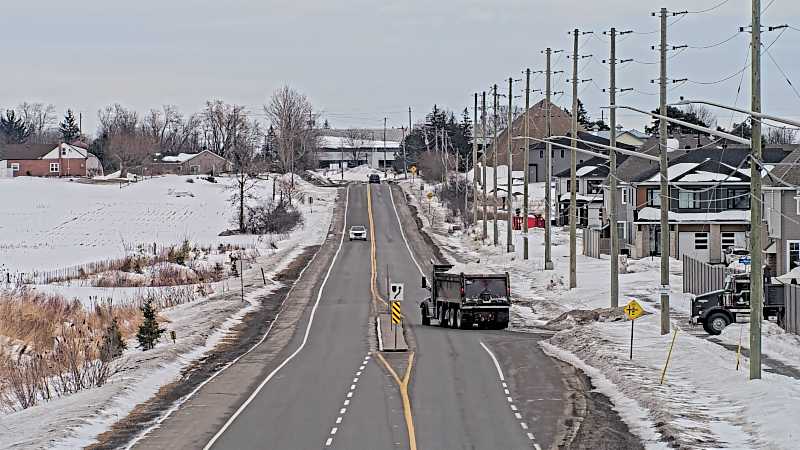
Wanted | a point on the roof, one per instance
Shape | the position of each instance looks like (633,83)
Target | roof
(595,166)
(337,142)
(787,172)
(605,134)
(392,134)
(183,157)
(25,151)
(650,213)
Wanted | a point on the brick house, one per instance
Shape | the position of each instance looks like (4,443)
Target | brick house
(48,160)
(204,163)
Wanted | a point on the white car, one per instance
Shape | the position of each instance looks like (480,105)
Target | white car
(358,232)
(734,253)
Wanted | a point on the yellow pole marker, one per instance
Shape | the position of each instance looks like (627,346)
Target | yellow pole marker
(412,437)
(739,349)
(669,354)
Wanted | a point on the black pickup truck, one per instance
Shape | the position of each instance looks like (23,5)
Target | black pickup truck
(716,310)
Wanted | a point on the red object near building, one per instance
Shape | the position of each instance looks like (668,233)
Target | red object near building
(533,222)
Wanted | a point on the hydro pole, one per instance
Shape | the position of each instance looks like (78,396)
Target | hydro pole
(474,165)
(662,139)
(483,163)
(548,259)
(510,129)
(573,205)
(494,168)
(756,268)
(526,163)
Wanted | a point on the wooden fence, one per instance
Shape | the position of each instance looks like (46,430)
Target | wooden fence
(792,318)
(700,277)
(591,243)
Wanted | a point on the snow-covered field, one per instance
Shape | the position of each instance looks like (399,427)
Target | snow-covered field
(55,223)
(705,402)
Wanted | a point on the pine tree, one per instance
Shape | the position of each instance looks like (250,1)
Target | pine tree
(13,130)
(149,332)
(325,125)
(583,116)
(113,344)
(70,131)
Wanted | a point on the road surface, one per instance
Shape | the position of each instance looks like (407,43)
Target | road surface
(325,386)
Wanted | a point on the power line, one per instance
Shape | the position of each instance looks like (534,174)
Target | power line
(785,77)
(702,47)
(709,9)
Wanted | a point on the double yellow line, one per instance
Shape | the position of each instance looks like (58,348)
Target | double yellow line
(401,383)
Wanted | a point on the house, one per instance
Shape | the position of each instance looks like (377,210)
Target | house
(632,137)
(709,202)
(340,149)
(205,162)
(48,160)
(591,173)
(782,215)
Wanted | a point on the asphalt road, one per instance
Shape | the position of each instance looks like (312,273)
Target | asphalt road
(325,386)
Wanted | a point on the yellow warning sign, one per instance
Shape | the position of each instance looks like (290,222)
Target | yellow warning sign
(430,195)
(397,315)
(633,310)
(413,169)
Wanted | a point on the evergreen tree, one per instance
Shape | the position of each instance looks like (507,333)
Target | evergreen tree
(599,125)
(13,130)
(676,113)
(113,344)
(325,125)
(70,131)
(149,332)
(583,116)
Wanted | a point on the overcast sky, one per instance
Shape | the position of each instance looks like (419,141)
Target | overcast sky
(362,60)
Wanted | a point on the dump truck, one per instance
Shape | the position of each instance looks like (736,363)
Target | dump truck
(466,301)
(716,310)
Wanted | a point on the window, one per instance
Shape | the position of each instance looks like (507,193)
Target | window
(55,167)
(792,254)
(738,199)
(653,197)
(562,153)
(728,240)
(194,169)
(622,230)
(796,199)
(15,167)
(541,154)
(593,186)
(701,241)
(63,152)
(625,195)
(688,200)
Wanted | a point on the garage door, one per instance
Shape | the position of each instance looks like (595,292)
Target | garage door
(695,245)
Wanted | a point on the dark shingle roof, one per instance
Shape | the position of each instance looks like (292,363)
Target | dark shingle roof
(788,172)
(25,151)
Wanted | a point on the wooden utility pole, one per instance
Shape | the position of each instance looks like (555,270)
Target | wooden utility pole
(474,164)
(548,162)
(384,149)
(664,194)
(405,161)
(510,129)
(612,177)
(526,166)
(573,257)
(483,163)
(494,168)
(756,267)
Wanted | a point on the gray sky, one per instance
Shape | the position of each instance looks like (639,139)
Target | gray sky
(362,60)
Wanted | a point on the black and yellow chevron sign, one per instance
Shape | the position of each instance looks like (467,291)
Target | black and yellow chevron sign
(397,316)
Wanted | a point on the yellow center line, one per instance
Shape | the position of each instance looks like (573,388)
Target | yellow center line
(403,384)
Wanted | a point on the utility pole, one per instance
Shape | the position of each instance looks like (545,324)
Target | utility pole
(573,258)
(494,168)
(405,161)
(756,268)
(509,234)
(526,164)
(384,148)
(483,162)
(662,138)
(612,178)
(548,162)
(474,165)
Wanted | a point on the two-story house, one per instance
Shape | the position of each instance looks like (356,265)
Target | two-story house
(782,215)
(709,202)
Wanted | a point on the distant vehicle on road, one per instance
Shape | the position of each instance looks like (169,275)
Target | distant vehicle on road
(734,253)
(358,232)
(716,310)
(375,178)
(463,301)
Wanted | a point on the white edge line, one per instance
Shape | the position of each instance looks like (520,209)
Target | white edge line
(305,336)
(402,233)
(496,364)
(380,336)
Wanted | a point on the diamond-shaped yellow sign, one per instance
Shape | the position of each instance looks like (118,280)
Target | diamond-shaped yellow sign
(633,310)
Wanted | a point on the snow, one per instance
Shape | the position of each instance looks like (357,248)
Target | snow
(337,142)
(704,401)
(674,171)
(180,158)
(704,176)
(359,173)
(54,223)
(584,170)
(731,215)
(584,198)
(30,237)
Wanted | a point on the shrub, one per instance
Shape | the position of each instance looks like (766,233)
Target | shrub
(190,180)
(269,218)
(149,332)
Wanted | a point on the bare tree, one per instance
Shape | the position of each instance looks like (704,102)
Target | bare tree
(171,132)
(129,150)
(781,135)
(247,165)
(116,119)
(702,113)
(221,123)
(291,115)
(356,140)
(40,119)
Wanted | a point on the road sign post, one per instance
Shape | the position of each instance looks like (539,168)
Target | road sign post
(633,310)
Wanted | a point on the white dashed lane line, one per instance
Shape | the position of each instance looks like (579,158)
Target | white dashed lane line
(509,398)
(346,403)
